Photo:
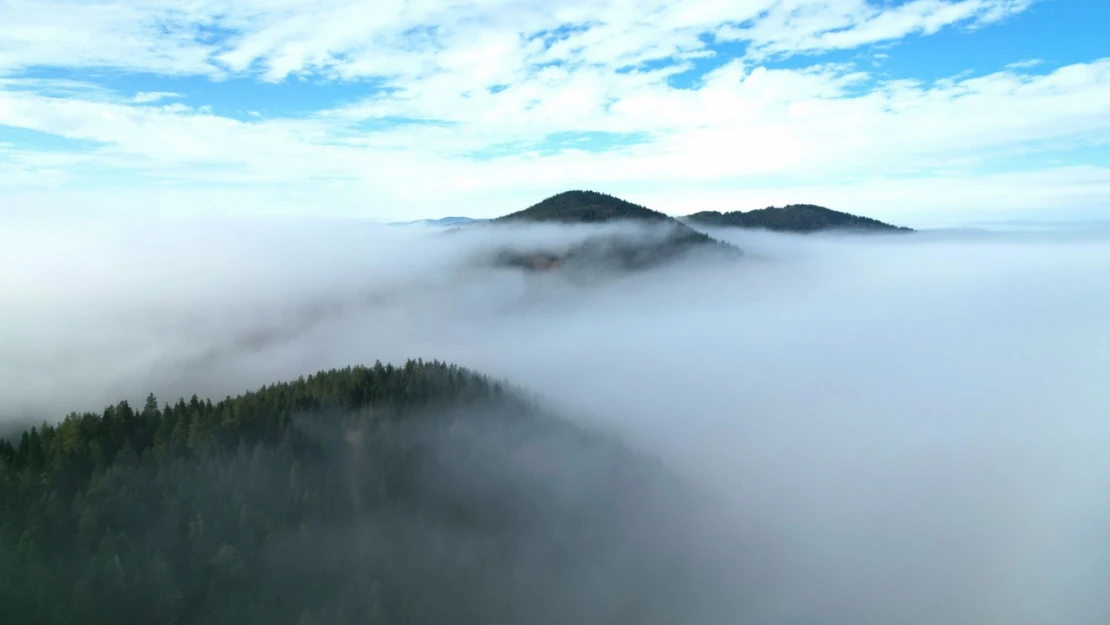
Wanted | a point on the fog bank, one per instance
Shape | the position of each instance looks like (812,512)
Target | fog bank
(897,429)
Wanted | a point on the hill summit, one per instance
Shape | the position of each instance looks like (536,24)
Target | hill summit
(584,207)
(794,218)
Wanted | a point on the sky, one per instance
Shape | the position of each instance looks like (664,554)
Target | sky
(917,111)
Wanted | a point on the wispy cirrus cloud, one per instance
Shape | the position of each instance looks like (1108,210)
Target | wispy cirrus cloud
(490,38)
(161,36)
(799,27)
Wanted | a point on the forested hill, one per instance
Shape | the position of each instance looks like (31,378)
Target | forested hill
(627,252)
(415,494)
(584,207)
(793,218)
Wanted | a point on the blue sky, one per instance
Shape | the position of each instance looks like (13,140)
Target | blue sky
(902,109)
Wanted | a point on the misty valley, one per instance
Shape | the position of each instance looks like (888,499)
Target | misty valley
(583,412)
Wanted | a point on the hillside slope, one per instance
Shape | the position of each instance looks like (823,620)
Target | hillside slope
(793,218)
(416,494)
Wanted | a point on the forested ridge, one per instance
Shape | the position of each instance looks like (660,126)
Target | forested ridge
(794,218)
(415,494)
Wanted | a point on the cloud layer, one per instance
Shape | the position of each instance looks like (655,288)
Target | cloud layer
(903,429)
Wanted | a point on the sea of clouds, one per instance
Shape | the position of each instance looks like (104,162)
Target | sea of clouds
(905,429)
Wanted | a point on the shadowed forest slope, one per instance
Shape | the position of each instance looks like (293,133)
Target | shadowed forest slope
(415,494)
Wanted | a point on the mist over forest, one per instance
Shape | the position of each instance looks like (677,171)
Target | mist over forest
(554,312)
(875,428)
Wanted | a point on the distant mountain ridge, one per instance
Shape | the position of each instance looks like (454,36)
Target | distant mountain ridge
(793,218)
(667,238)
(592,207)
(442,221)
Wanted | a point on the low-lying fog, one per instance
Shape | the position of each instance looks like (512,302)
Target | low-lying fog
(913,429)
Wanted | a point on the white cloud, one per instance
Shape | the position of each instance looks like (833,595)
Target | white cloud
(1026,64)
(808,126)
(162,36)
(798,26)
(145,97)
(740,125)
(488,39)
